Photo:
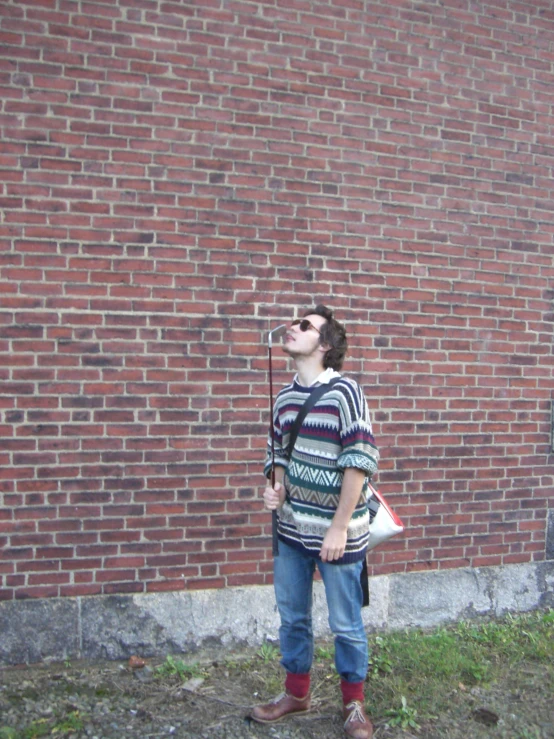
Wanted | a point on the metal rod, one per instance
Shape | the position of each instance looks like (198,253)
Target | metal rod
(274,537)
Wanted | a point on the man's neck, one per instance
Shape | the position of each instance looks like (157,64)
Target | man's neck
(308,370)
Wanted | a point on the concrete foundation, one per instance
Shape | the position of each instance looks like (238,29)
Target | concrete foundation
(117,626)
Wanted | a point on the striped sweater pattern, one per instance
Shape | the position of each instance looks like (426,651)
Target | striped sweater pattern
(336,434)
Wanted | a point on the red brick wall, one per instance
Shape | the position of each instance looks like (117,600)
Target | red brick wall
(178,176)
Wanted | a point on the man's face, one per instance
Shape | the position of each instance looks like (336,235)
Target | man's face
(306,343)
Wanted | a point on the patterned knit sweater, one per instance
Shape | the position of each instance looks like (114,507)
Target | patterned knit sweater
(336,434)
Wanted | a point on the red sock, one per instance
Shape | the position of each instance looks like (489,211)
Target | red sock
(351,692)
(297,685)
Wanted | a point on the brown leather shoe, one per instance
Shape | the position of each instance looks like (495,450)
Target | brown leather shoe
(356,723)
(284,705)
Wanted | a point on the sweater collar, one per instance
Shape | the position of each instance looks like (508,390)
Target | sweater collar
(325,377)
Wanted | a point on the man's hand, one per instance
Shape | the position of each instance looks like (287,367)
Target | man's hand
(274,497)
(334,544)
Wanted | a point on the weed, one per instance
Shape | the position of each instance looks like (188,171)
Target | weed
(325,652)
(37,729)
(177,668)
(234,661)
(379,658)
(268,652)
(70,724)
(475,672)
(232,664)
(404,717)
(529,733)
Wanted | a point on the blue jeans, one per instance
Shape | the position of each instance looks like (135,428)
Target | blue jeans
(293,578)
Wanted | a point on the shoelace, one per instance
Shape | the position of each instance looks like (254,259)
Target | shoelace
(357,713)
(284,695)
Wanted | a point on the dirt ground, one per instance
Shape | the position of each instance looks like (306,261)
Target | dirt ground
(114,699)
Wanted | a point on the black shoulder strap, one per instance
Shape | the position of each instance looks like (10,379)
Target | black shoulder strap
(309,403)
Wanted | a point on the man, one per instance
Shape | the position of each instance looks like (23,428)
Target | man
(320,494)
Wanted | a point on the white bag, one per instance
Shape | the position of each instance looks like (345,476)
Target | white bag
(384,521)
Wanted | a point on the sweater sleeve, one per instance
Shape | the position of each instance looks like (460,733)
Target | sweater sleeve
(358,445)
(279,451)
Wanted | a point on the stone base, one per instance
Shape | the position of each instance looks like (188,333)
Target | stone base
(158,624)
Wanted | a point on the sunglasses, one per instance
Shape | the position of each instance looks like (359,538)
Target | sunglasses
(304,325)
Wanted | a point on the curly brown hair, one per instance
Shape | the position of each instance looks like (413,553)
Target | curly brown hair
(332,333)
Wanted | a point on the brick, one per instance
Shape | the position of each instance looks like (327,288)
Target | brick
(122,587)
(72,591)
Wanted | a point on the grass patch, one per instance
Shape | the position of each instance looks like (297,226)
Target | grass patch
(422,669)
(71,724)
